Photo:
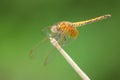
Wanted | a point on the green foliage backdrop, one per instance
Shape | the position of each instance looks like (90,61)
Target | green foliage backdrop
(96,50)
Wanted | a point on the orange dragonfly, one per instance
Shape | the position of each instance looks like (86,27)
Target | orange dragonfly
(66,30)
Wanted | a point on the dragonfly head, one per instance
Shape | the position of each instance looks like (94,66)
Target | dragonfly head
(54,29)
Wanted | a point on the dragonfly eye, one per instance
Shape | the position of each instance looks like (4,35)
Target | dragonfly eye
(54,29)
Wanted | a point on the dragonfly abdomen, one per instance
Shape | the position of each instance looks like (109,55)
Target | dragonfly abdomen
(81,23)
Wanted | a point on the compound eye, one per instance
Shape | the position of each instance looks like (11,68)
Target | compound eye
(54,29)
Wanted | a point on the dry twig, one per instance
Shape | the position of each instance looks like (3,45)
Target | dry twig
(69,59)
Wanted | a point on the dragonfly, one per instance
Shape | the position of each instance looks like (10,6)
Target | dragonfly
(65,30)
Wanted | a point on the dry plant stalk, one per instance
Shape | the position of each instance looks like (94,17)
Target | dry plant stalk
(69,59)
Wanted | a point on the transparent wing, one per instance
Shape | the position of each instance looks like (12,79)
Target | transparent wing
(50,56)
(38,48)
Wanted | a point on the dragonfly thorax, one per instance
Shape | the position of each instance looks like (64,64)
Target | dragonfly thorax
(67,28)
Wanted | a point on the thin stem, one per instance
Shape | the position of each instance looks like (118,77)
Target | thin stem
(69,59)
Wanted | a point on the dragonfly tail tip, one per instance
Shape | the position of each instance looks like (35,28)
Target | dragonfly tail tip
(108,15)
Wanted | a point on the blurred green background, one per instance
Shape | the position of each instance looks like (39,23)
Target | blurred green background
(96,50)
